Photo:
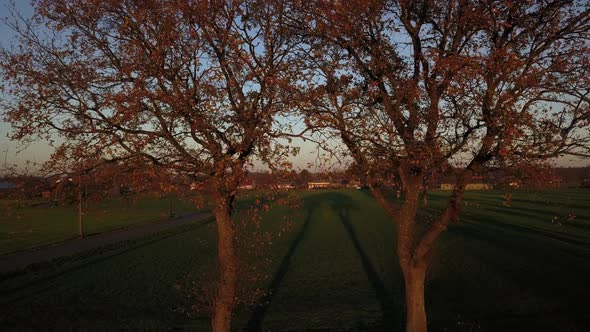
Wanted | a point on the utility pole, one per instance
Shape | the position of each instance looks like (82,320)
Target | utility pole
(80,211)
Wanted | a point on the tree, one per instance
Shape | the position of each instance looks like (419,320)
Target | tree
(304,177)
(190,86)
(413,87)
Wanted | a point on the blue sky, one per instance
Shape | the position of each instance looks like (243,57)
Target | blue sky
(17,153)
(38,151)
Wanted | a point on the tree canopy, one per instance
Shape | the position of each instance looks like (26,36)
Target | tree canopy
(410,87)
(416,88)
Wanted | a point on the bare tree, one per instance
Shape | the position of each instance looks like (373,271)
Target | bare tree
(191,86)
(415,87)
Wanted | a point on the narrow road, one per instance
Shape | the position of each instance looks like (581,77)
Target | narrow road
(21,260)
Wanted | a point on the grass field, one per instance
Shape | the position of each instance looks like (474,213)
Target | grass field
(501,268)
(28,226)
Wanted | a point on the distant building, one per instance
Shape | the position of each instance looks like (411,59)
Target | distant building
(285,186)
(246,185)
(469,186)
(356,184)
(317,185)
(555,182)
(477,183)
(478,186)
(514,184)
(7,185)
(7,188)
(447,186)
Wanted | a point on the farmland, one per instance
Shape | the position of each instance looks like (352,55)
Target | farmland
(29,224)
(515,264)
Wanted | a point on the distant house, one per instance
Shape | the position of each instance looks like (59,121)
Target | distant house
(27,186)
(478,186)
(514,184)
(317,185)
(477,183)
(356,184)
(246,185)
(554,182)
(447,186)
(285,186)
(62,188)
(469,186)
(7,187)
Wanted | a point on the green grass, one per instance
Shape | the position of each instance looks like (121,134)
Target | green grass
(29,226)
(500,268)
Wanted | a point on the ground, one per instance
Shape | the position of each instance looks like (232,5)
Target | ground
(11,263)
(501,268)
(34,223)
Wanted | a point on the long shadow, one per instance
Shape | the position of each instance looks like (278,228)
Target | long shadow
(567,242)
(343,204)
(542,271)
(259,312)
(575,239)
(547,259)
(383,295)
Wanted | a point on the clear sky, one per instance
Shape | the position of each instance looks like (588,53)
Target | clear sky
(35,152)
(40,151)
(17,153)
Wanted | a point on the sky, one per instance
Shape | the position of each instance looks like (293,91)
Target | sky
(39,151)
(17,153)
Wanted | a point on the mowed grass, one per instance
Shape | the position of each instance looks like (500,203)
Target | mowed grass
(25,226)
(501,268)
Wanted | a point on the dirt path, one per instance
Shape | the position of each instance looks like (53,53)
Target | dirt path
(21,260)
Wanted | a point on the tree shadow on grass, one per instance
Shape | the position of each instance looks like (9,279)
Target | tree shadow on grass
(343,204)
(543,270)
(383,294)
(257,317)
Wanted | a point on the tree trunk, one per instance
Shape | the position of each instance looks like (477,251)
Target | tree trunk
(80,215)
(85,197)
(227,262)
(413,268)
(414,277)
